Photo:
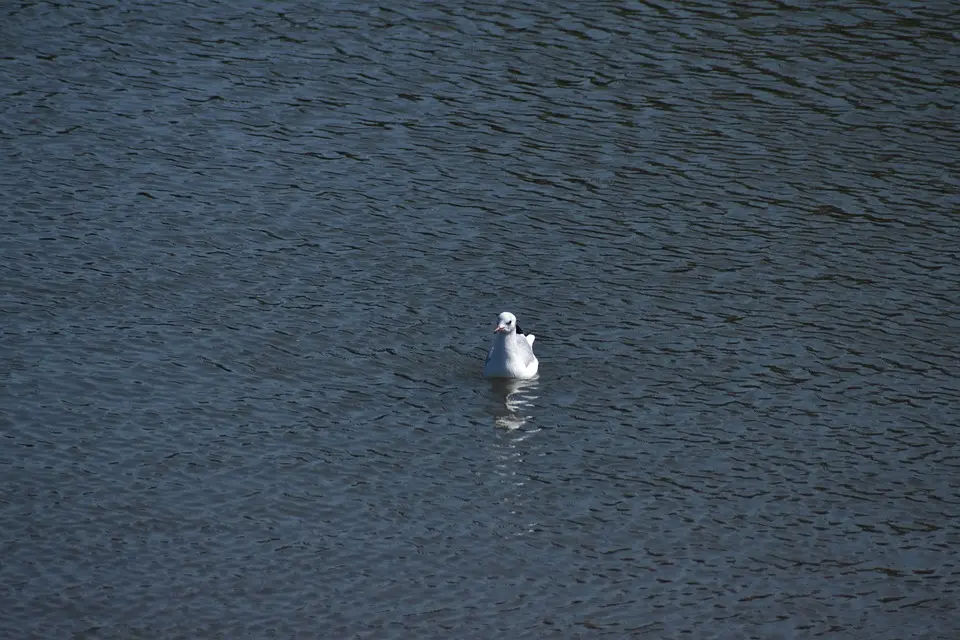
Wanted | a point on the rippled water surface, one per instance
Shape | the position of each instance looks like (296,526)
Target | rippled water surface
(252,254)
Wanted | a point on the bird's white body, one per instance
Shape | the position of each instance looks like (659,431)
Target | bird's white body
(511,355)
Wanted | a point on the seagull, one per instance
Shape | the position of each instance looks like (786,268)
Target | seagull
(511,355)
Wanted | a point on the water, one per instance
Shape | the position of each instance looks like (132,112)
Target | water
(252,256)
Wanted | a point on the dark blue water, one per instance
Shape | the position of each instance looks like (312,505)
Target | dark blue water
(251,259)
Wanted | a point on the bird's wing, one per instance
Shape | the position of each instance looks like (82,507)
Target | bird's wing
(525,345)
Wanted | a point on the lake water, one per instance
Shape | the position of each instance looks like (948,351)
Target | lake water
(252,255)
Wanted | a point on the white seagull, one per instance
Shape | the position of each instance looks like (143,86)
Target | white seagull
(511,355)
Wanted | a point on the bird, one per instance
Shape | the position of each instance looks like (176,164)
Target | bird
(511,355)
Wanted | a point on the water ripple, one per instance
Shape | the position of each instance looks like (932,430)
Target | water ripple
(251,254)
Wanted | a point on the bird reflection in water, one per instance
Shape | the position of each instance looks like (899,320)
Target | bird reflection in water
(515,401)
(512,411)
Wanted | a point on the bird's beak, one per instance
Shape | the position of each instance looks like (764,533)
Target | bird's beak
(500,329)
